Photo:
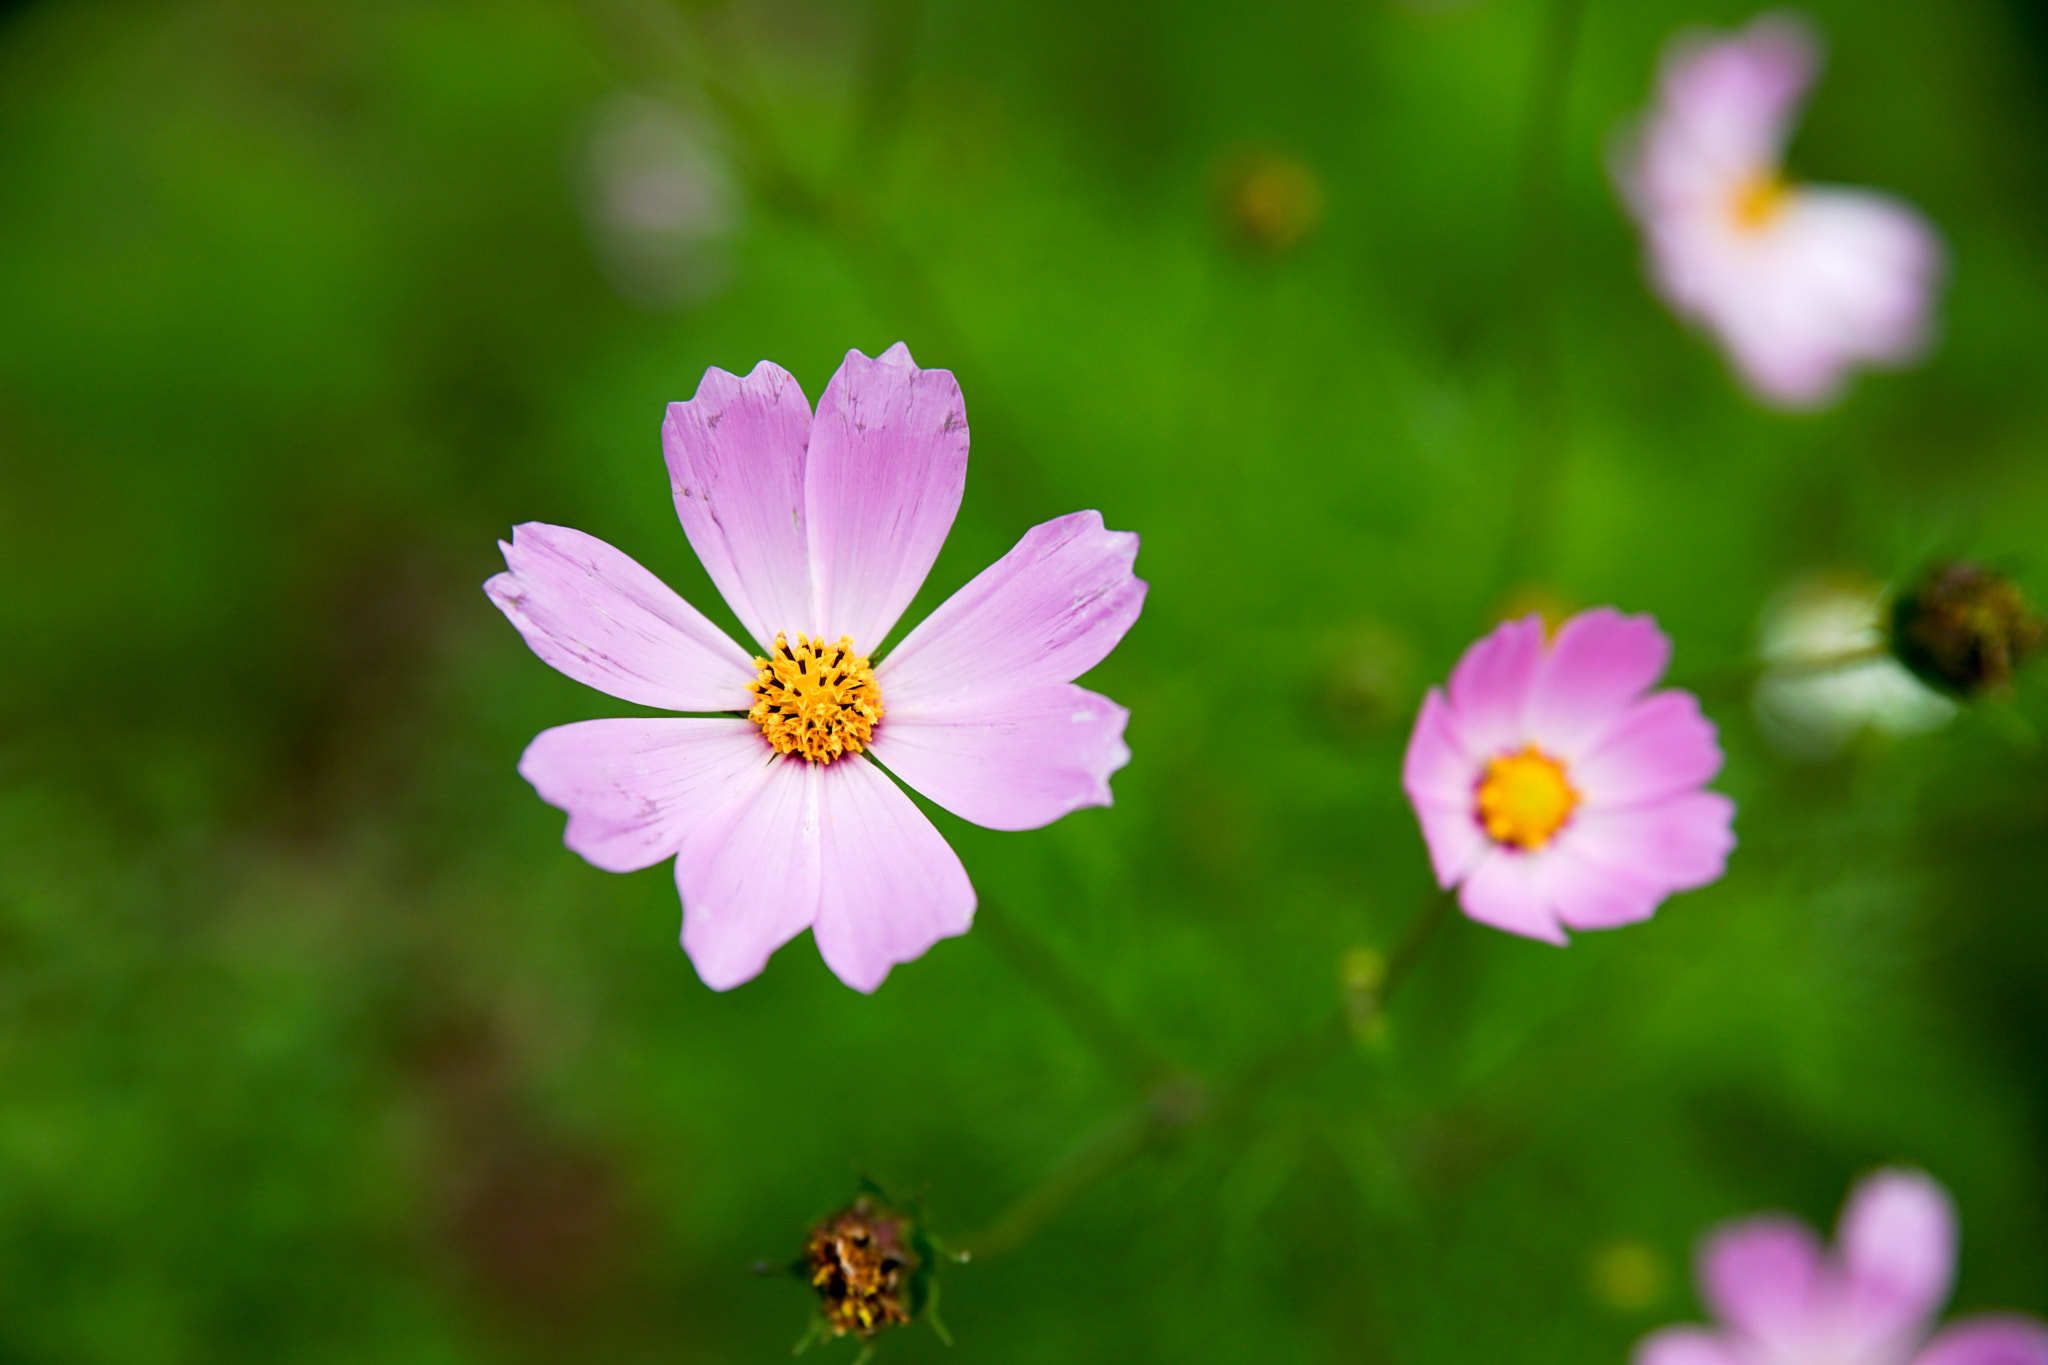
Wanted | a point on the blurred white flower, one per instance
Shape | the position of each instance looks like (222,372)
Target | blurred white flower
(660,201)
(1811,707)
(1799,283)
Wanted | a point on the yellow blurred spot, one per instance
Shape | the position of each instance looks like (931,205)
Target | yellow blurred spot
(1759,201)
(1628,1276)
(1364,969)
(1540,599)
(1271,200)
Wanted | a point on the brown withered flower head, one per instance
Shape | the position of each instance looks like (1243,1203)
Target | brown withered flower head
(863,1263)
(1965,629)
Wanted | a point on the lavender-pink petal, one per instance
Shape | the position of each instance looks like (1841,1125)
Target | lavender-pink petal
(892,886)
(1843,277)
(736,458)
(1011,760)
(1988,1339)
(1679,842)
(1452,834)
(590,611)
(1587,895)
(1506,891)
(1763,1276)
(749,872)
(1657,748)
(1599,663)
(635,788)
(1685,1346)
(1733,100)
(1046,612)
(1489,688)
(1437,767)
(888,462)
(1898,1246)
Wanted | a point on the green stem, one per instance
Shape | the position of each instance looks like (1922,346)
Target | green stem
(1182,1103)
(901,290)
(1134,1059)
(1544,443)
(1729,677)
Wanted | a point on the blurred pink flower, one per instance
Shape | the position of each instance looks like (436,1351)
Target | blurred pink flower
(818,537)
(1798,282)
(1552,792)
(1784,1300)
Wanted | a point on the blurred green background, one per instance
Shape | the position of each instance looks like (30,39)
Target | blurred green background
(316,1044)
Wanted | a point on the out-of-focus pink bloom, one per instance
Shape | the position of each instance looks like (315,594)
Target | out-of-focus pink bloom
(818,535)
(1784,1300)
(1798,282)
(1553,792)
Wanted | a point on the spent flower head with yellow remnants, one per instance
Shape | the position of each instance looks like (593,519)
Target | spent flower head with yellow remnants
(866,1268)
(1966,629)
(1555,790)
(818,532)
(1799,283)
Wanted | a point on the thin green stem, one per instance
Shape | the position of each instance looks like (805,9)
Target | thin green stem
(1133,1058)
(902,291)
(1730,676)
(1544,418)
(1182,1103)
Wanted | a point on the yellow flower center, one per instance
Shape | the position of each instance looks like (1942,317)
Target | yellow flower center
(1524,798)
(815,699)
(1759,201)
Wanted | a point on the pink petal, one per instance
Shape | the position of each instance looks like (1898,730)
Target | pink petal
(1989,1339)
(1599,663)
(591,612)
(1656,748)
(1437,766)
(1898,1244)
(1679,843)
(1505,891)
(1012,760)
(749,874)
(1844,277)
(1456,842)
(635,789)
(1736,98)
(892,886)
(1490,687)
(1763,1276)
(1683,1346)
(1046,612)
(1585,895)
(888,462)
(736,466)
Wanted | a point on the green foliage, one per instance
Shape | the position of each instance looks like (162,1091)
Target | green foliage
(316,1045)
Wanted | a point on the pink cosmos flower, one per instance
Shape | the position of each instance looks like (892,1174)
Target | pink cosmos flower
(776,811)
(1784,1300)
(1798,282)
(1552,792)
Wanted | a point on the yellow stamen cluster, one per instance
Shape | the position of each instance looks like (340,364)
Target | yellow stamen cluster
(1759,201)
(1524,798)
(815,699)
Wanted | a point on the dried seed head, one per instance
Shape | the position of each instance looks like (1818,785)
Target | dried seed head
(1966,629)
(862,1264)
